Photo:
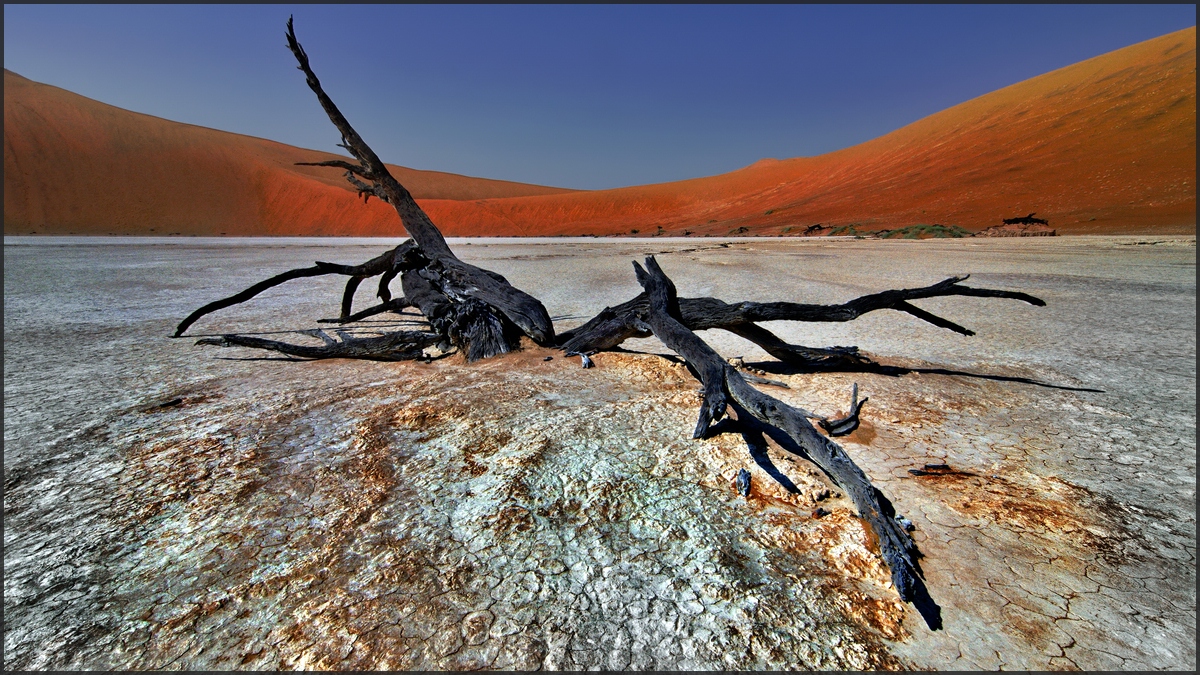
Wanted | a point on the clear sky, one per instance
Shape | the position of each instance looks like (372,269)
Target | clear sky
(582,96)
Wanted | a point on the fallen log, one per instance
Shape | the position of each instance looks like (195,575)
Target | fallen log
(614,325)
(723,385)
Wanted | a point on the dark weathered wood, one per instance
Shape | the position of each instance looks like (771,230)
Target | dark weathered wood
(808,359)
(375,266)
(718,378)
(847,424)
(443,274)
(608,329)
(385,290)
(370,167)
(348,294)
(395,346)
(476,310)
(456,279)
(662,318)
(391,305)
(481,314)
(614,325)
(245,295)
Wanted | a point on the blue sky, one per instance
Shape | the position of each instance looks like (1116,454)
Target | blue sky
(582,96)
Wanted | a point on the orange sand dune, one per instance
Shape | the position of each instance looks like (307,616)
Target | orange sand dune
(74,165)
(1107,145)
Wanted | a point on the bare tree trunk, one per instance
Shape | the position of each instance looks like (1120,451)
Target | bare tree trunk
(476,310)
(480,328)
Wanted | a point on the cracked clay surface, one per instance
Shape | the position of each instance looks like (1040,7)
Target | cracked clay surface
(169,506)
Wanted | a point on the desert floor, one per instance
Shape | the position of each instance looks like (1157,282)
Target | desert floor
(176,506)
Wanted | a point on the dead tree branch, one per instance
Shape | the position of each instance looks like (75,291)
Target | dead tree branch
(397,258)
(449,277)
(614,325)
(722,383)
(395,346)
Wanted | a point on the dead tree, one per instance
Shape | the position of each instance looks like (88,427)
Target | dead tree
(1026,220)
(476,310)
(479,313)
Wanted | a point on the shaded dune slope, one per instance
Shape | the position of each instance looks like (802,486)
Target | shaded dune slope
(72,164)
(1107,145)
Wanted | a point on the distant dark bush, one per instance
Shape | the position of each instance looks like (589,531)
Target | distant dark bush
(935,231)
(846,230)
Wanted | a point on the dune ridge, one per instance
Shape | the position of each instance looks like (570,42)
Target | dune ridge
(75,165)
(1107,145)
(1103,146)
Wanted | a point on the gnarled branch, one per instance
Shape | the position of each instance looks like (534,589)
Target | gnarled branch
(614,325)
(397,258)
(721,383)
(455,279)
(395,346)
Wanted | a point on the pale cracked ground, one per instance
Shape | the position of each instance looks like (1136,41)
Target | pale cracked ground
(522,513)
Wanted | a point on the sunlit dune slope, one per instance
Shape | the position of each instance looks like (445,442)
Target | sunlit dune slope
(1107,145)
(72,164)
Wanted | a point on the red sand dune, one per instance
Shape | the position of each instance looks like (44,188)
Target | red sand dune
(74,165)
(1107,145)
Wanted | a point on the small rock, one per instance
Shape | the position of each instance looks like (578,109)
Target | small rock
(820,512)
(743,482)
(737,362)
(548,358)
(436,351)
(905,523)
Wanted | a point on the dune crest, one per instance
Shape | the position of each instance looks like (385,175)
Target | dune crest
(1107,145)
(75,165)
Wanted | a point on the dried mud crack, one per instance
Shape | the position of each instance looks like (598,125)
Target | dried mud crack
(523,525)
(494,509)
(517,512)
